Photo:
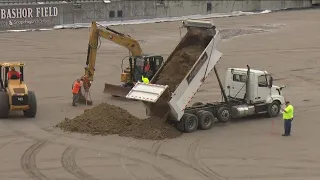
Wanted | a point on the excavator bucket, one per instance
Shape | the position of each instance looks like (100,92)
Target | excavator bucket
(116,90)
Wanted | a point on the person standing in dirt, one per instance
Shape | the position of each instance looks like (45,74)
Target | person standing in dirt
(288,118)
(75,91)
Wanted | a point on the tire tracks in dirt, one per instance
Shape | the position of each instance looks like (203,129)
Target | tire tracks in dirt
(197,163)
(28,161)
(68,161)
(154,150)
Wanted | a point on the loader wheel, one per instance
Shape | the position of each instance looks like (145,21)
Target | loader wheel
(274,109)
(4,105)
(197,104)
(206,119)
(190,122)
(32,111)
(223,114)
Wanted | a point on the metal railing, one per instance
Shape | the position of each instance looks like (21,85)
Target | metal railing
(3,2)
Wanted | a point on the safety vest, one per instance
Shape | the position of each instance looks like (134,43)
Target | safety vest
(289,113)
(145,80)
(76,87)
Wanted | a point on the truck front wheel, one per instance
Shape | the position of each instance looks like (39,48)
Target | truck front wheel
(223,114)
(274,109)
(4,105)
(190,122)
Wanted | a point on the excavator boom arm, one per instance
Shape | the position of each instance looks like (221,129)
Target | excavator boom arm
(121,39)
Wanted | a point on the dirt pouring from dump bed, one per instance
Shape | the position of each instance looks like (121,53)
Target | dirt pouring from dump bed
(106,119)
(177,66)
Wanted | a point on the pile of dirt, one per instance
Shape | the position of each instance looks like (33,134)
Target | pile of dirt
(106,119)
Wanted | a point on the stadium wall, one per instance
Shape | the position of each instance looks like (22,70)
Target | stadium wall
(40,16)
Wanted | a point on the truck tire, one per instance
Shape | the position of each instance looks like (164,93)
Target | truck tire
(4,105)
(180,125)
(190,122)
(223,114)
(273,109)
(199,113)
(32,111)
(197,104)
(206,119)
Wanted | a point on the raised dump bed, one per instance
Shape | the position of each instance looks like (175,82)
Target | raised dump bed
(180,77)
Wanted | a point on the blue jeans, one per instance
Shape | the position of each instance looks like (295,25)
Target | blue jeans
(287,126)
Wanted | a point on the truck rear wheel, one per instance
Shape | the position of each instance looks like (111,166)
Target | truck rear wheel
(4,105)
(274,109)
(190,122)
(206,119)
(223,114)
(32,111)
(180,125)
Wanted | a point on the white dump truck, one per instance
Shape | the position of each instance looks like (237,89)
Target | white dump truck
(246,91)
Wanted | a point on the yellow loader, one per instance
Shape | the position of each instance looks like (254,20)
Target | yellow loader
(14,93)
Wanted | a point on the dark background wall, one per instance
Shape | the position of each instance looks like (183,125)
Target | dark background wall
(37,14)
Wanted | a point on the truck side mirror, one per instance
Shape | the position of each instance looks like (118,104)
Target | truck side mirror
(270,81)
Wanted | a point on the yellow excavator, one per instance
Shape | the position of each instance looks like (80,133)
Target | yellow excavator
(140,64)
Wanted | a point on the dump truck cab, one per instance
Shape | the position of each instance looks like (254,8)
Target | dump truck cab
(261,88)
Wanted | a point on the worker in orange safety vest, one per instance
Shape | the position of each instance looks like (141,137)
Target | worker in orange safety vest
(75,91)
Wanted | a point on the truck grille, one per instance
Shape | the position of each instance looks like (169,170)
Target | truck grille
(20,100)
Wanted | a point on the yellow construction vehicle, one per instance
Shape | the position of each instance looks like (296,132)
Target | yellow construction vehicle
(14,93)
(139,63)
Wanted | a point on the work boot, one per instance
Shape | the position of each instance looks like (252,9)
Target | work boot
(74,105)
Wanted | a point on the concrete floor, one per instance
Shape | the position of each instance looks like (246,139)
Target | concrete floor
(241,150)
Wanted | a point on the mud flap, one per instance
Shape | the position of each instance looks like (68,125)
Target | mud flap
(116,90)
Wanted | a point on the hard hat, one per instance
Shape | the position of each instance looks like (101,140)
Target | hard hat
(12,68)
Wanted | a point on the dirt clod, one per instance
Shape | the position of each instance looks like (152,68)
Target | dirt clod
(106,119)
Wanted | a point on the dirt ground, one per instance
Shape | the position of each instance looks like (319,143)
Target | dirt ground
(246,149)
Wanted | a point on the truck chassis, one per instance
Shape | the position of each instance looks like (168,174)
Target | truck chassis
(203,116)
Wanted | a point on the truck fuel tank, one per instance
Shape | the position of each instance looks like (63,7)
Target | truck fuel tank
(239,111)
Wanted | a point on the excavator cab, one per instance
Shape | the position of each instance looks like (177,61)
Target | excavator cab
(146,66)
